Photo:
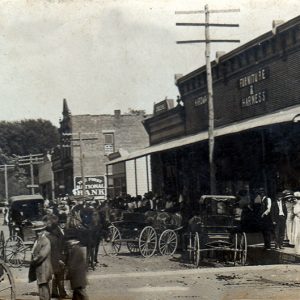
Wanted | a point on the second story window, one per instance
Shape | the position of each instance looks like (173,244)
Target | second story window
(109,146)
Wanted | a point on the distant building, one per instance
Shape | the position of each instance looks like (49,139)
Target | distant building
(101,135)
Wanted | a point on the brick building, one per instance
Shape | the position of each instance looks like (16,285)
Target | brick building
(257,108)
(100,136)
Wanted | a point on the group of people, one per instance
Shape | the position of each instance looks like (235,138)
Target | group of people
(277,219)
(149,201)
(55,258)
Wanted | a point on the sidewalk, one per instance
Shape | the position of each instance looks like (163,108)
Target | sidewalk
(257,255)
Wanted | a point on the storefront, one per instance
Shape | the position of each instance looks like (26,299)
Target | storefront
(257,104)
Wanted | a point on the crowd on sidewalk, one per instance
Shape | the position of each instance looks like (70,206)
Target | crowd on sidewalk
(278,219)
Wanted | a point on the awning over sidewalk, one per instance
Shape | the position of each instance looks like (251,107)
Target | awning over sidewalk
(286,115)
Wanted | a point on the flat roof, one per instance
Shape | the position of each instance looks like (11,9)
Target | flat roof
(285,115)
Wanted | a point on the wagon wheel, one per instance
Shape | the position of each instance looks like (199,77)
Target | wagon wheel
(167,243)
(7,283)
(14,251)
(112,246)
(236,250)
(196,250)
(190,248)
(243,249)
(147,241)
(2,244)
(133,247)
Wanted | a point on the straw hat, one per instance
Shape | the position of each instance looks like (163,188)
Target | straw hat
(297,194)
(39,227)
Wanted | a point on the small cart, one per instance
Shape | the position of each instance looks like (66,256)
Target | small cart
(25,213)
(216,229)
(134,231)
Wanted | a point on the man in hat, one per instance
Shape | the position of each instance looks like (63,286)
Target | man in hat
(41,262)
(56,238)
(278,216)
(76,265)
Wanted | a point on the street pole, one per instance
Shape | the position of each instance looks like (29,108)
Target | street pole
(211,114)
(31,174)
(6,182)
(208,41)
(81,155)
(30,160)
(5,168)
(81,164)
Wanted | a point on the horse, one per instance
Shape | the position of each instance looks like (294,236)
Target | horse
(85,224)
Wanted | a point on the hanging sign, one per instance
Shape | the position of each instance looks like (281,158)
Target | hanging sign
(94,186)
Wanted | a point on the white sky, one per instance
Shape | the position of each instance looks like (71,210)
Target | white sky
(110,54)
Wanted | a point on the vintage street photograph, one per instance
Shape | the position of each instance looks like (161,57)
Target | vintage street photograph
(149,149)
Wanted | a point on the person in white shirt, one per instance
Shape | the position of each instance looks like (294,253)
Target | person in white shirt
(266,223)
(278,216)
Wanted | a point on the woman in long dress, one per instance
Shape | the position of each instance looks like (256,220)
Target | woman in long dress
(290,202)
(296,224)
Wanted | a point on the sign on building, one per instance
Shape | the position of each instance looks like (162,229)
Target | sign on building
(163,106)
(94,186)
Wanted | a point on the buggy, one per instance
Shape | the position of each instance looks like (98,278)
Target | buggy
(25,213)
(216,229)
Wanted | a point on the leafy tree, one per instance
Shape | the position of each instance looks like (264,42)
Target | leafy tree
(27,136)
(23,138)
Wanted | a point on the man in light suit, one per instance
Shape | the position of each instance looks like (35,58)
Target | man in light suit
(41,262)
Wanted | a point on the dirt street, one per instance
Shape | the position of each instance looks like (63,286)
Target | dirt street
(129,276)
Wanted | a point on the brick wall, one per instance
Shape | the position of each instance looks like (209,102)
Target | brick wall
(129,134)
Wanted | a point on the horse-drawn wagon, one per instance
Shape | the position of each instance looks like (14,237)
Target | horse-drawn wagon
(25,213)
(144,233)
(85,225)
(216,228)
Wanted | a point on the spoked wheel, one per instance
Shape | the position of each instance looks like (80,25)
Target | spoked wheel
(236,249)
(14,251)
(148,241)
(133,247)
(2,244)
(167,243)
(7,283)
(196,250)
(243,249)
(190,248)
(112,245)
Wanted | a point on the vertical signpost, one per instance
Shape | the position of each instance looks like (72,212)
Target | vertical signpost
(208,41)
(26,160)
(81,164)
(5,169)
(81,154)
(31,160)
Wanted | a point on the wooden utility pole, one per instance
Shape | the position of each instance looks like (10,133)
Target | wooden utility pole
(81,164)
(5,169)
(6,183)
(81,152)
(208,41)
(31,160)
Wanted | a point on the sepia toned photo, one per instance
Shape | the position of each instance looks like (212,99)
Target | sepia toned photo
(149,149)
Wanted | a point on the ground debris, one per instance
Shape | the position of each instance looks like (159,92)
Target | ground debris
(30,294)
(104,265)
(227,277)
